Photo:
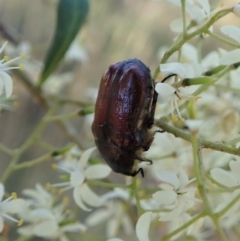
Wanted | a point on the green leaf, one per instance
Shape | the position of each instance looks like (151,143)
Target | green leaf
(71,16)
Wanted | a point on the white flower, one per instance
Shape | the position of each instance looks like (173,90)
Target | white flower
(211,60)
(194,231)
(79,171)
(230,57)
(76,53)
(236,9)
(193,125)
(181,70)
(113,214)
(39,197)
(229,179)
(56,83)
(197,9)
(143,225)
(48,223)
(9,206)
(226,178)
(5,79)
(175,196)
(232,32)
(166,93)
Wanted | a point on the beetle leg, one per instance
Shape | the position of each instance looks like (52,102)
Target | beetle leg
(150,121)
(158,131)
(136,172)
(143,160)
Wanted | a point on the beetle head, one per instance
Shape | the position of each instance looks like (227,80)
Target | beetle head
(121,161)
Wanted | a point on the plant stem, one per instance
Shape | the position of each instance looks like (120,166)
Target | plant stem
(135,192)
(184,38)
(183,4)
(230,43)
(183,227)
(6,150)
(217,146)
(33,162)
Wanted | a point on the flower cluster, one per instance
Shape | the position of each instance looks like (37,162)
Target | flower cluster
(187,193)
(79,172)
(9,206)
(6,85)
(173,201)
(45,218)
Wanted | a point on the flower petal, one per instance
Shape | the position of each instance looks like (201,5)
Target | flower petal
(190,53)
(235,168)
(183,179)
(193,125)
(165,92)
(97,217)
(143,225)
(165,197)
(78,200)
(7,82)
(127,225)
(172,214)
(85,156)
(42,213)
(169,177)
(40,194)
(1,87)
(205,5)
(232,32)
(74,227)
(230,57)
(97,171)
(182,70)
(1,224)
(112,227)
(46,229)
(3,46)
(195,12)
(223,177)
(15,206)
(177,25)
(1,191)
(89,197)
(26,230)
(63,238)
(76,178)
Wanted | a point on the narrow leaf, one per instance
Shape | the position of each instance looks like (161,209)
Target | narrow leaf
(71,15)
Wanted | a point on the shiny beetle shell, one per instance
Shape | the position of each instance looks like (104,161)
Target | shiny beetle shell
(124,115)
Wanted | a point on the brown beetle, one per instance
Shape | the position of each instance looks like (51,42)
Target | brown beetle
(124,115)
